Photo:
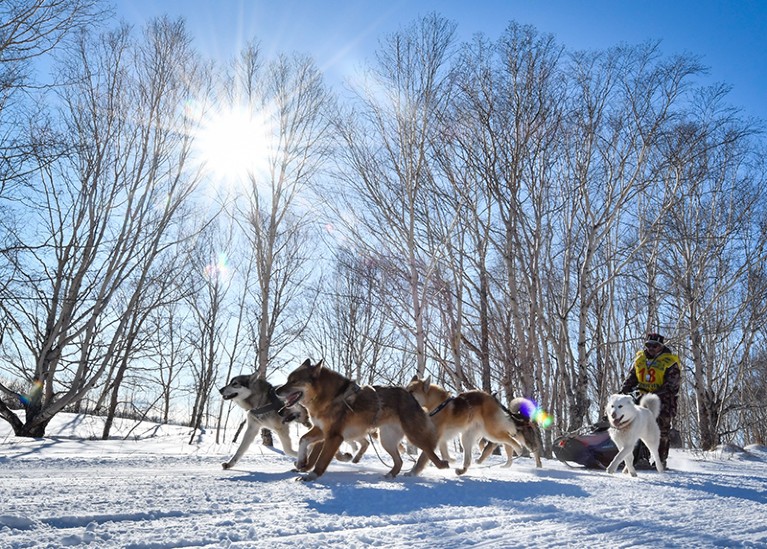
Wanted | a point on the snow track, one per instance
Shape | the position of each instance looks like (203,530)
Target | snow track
(160,492)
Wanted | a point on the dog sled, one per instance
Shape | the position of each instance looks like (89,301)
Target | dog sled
(589,446)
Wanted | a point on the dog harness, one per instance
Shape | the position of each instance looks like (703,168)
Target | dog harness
(651,371)
(274,404)
(438,409)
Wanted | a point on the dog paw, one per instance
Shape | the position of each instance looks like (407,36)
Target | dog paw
(227,465)
(308,478)
(461,471)
(443,465)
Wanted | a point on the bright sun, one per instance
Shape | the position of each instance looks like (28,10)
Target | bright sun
(232,143)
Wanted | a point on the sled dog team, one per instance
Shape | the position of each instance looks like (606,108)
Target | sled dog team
(337,410)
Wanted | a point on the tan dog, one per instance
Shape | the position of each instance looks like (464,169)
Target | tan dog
(526,427)
(341,410)
(472,415)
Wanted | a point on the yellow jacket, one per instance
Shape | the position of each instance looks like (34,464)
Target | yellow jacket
(650,372)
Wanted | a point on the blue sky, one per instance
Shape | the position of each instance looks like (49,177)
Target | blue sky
(730,36)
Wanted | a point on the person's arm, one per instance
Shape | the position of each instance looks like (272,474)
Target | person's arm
(671,381)
(670,388)
(631,382)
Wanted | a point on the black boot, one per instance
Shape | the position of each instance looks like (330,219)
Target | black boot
(642,457)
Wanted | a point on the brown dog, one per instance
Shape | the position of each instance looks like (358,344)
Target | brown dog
(472,415)
(341,410)
(526,428)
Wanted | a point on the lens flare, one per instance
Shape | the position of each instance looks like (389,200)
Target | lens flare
(533,412)
(33,394)
(218,270)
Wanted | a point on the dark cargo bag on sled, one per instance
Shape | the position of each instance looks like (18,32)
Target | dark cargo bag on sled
(589,446)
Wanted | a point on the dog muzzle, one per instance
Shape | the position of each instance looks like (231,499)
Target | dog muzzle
(619,423)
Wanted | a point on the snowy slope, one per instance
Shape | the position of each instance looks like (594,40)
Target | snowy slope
(155,490)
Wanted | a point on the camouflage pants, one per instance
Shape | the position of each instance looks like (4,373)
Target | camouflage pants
(641,451)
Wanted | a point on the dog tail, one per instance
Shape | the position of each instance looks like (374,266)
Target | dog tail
(652,403)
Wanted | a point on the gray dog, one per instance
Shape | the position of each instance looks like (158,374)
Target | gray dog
(265,409)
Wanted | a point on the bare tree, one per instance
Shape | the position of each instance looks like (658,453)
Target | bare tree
(349,328)
(385,164)
(208,330)
(29,29)
(622,100)
(102,212)
(135,344)
(288,103)
(503,143)
(715,178)
(167,348)
(234,352)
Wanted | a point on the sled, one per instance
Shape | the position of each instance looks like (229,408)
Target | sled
(589,446)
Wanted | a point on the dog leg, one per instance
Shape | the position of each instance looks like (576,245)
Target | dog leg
(510,444)
(287,445)
(423,459)
(469,440)
(658,463)
(314,453)
(537,456)
(247,439)
(487,450)
(534,451)
(303,460)
(425,435)
(343,456)
(444,452)
(528,437)
(652,443)
(509,455)
(329,449)
(390,437)
(629,464)
(625,455)
(361,452)
(426,442)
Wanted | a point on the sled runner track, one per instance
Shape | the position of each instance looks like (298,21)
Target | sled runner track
(390,532)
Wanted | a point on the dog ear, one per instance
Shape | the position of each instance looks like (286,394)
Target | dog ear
(307,363)
(258,383)
(415,378)
(426,384)
(317,368)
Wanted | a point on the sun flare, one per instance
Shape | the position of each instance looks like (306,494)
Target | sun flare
(233,143)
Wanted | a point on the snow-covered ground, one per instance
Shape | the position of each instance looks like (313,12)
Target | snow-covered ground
(155,490)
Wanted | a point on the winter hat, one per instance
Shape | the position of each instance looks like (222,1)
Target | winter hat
(654,339)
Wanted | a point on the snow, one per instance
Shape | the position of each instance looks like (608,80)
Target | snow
(154,490)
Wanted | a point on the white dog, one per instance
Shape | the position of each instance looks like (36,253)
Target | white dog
(630,423)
